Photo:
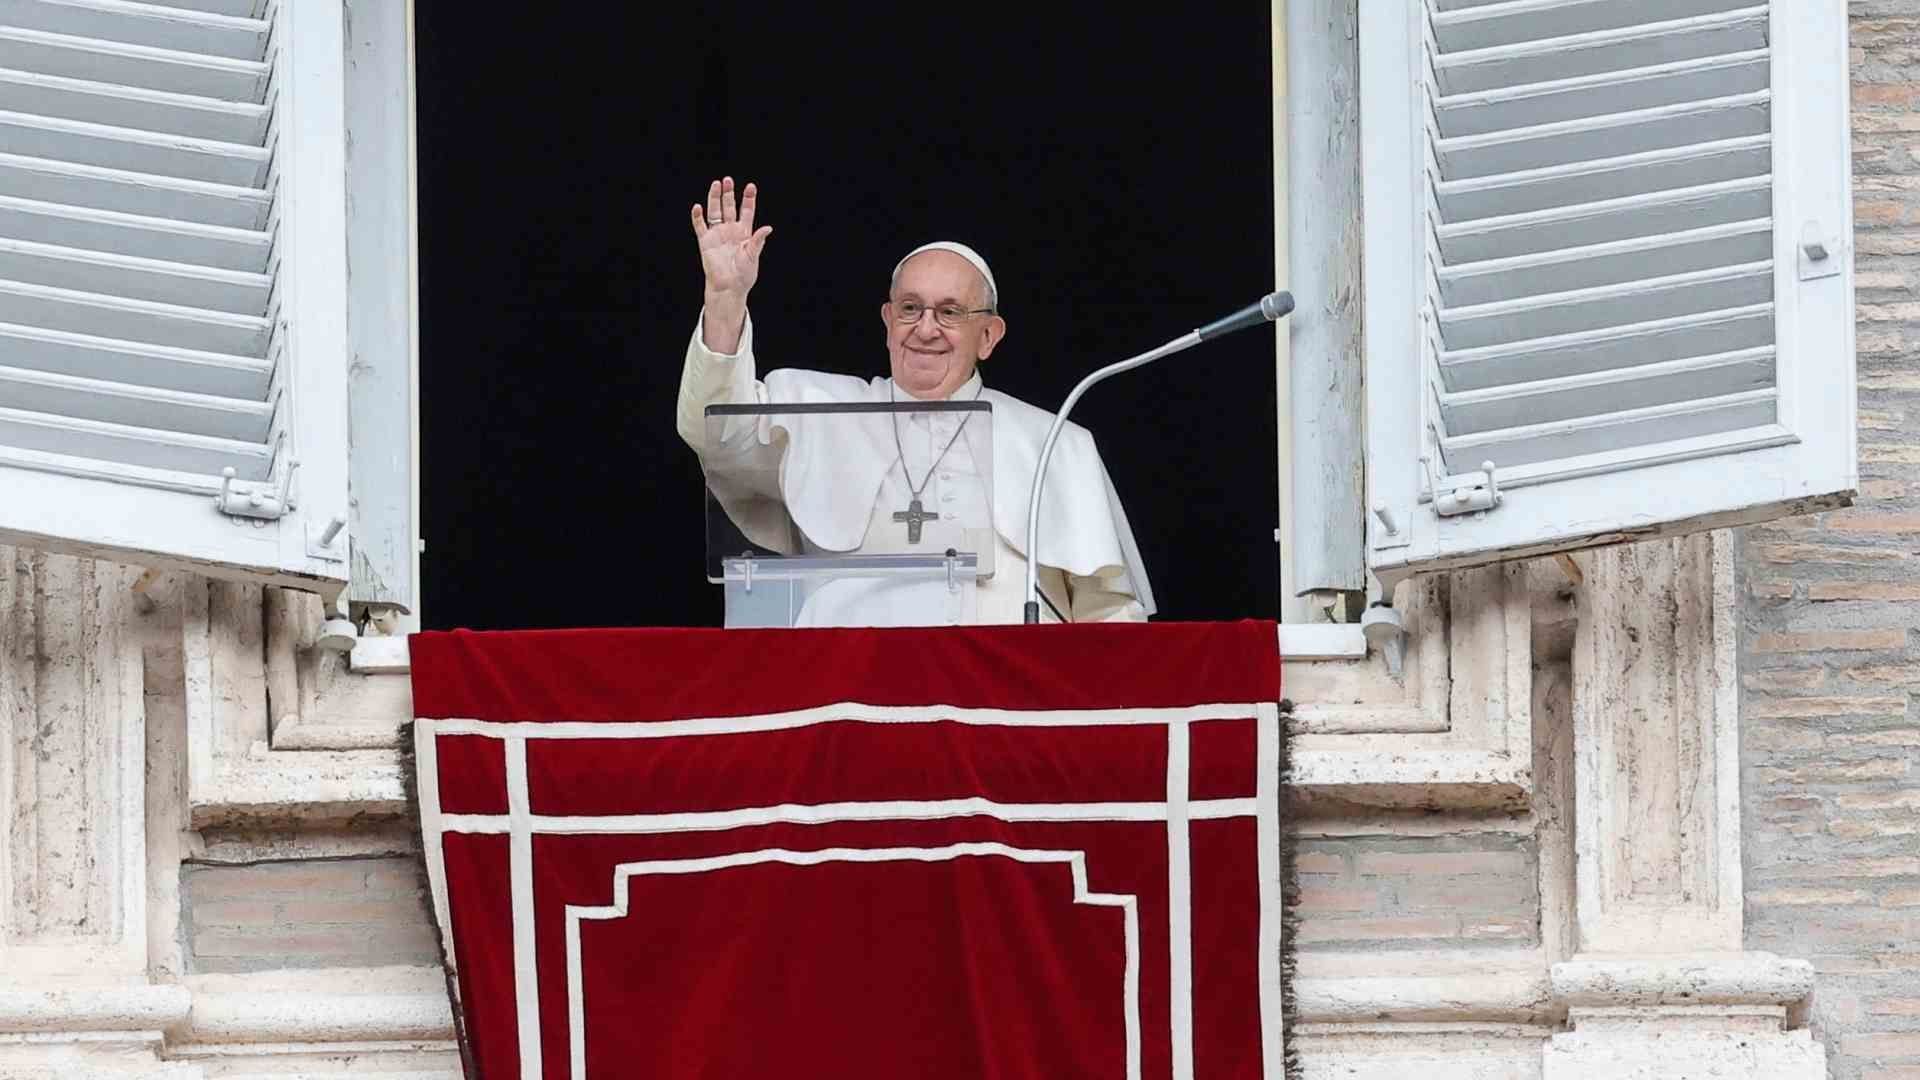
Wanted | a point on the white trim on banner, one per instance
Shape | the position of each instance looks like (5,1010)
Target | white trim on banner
(852,711)
(426,755)
(526,966)
(831,813)
(1266,796)
(1179,899)
(1076,861)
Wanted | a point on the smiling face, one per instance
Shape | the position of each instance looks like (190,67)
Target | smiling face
(930,361)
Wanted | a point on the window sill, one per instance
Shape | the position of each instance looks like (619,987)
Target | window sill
(1298,641)
(1322,641)
(380,656)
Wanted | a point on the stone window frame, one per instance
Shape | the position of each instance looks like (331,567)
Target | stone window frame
(280,726)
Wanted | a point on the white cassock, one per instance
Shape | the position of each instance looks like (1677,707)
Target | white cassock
(841,483)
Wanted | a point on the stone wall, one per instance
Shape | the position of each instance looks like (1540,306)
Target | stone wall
(306,913)
(1418,892)
(1830,656)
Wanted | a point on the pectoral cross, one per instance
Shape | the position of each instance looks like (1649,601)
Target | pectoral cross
(913,516)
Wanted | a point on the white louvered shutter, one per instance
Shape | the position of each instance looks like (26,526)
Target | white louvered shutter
(1609,253)
(173,283)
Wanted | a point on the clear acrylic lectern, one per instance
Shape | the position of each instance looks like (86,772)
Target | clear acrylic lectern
(801,517)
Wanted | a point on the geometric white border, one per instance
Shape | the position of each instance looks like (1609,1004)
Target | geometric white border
(521,825)
(1076,861)
(833,813)
(844,712)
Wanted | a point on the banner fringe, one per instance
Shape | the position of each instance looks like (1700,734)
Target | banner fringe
(410,786)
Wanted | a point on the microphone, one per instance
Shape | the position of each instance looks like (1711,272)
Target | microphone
(1269,308)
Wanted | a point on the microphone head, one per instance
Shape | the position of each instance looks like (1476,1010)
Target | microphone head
(1277,305)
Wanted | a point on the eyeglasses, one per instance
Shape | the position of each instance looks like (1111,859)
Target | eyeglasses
(947,315)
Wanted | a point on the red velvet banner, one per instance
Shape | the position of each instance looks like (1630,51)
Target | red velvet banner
(956,854)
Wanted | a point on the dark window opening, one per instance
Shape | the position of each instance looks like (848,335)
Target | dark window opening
(1114,164)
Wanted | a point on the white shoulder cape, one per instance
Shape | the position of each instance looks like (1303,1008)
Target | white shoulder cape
(831,473)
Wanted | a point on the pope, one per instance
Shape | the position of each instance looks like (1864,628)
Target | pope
(845,492)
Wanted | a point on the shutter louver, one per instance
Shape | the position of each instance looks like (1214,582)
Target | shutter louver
(1547,318)
(145,240)
(1600,259)
(117,298)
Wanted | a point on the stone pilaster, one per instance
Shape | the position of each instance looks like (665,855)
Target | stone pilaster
(74,994)
(1658,985)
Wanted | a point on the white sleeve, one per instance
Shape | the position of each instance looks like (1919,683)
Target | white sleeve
(741,461)
(711,378)
(1087,598)
(1094,599)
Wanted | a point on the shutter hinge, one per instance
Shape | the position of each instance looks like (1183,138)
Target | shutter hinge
(264,501)
(1468,498)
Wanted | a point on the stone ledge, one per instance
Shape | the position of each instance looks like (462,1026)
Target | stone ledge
(1788,1055)
(101,1009)
(391,1005)
(1742,978)
(1495,998)
(282,1016)
(1424,1052)
(305,784)
(280,1012)
(315,784)
(1417,778)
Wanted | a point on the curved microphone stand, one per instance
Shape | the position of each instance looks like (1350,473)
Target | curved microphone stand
(1270,308)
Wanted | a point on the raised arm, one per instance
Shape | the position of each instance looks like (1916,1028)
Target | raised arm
(730,249)
(719,366)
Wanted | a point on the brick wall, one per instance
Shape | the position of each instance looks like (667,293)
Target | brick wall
(1417,893)
(1830,652)
(306,913)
